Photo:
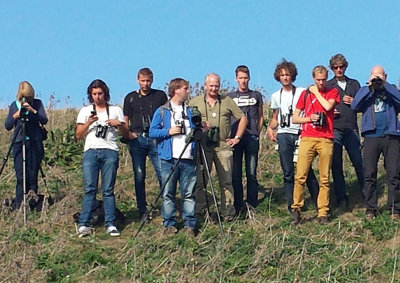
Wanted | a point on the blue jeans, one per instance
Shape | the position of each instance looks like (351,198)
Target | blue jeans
(286,151)
(185,172)
(33,157)
(106,162)
(248,147)
(351,141)
(140,148)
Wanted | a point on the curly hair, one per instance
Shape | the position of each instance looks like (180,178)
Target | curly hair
(338,59)
(288,66)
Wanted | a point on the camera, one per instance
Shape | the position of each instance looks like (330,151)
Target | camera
(213,136)
(101,131)
(181,124)
(322,119)
(146,123)
(196,116)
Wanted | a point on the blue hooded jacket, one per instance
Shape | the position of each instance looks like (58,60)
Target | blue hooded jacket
(160,125)
(364,102)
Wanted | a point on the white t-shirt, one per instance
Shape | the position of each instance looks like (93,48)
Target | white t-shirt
(286,98)
(110,139)
(178,141)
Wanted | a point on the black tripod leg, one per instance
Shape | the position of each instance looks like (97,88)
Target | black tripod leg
(202,160)
(153,205)
(203,157)
(5,159)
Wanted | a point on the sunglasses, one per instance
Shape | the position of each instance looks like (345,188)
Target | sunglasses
(338,67)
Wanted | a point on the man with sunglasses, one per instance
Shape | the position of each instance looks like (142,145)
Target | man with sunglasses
(345,130)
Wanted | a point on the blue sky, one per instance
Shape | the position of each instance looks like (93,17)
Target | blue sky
(61,46)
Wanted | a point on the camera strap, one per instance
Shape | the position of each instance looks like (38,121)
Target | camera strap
(280,101)
(107,110)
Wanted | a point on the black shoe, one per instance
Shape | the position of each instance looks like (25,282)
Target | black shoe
(189,231)
(370,216)
(323,220)
(344,204)
(295,217)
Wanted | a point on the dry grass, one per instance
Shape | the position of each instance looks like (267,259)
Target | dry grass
(262,247)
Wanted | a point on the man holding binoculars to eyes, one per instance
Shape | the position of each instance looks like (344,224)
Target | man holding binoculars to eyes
(317,104)
(216,111)
(379,103)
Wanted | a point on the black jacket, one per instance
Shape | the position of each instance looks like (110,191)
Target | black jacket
(347,119)
(33,130)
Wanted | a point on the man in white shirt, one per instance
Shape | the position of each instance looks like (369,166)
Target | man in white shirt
(170,126)
(283,103)
(98,124)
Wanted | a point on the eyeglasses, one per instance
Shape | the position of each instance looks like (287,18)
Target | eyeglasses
(338,67)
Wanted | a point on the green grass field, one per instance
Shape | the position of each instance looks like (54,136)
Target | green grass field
(261,247)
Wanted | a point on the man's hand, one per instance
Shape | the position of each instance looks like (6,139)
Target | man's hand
(132,135)
(314,89)
(232,142)
(113,123)
(175,130)
(347,99)
(271,134)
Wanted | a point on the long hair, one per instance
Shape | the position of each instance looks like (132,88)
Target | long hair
(26,90)
(95,84)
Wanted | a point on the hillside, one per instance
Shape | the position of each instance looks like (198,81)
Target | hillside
(260,247)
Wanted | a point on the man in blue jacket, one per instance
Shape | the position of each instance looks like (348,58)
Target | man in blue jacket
(379,103)
(170,126)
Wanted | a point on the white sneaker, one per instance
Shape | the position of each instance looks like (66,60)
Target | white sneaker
(84,231)
(113,231)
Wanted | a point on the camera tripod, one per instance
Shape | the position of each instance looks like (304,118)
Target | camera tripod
(22,129)
(194,136)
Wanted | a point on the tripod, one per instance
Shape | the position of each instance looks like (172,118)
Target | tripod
(195,135)
(22,129)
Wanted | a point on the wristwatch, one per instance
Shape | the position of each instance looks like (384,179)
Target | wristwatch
(237,137)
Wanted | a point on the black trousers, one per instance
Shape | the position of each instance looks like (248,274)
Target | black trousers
(389,146)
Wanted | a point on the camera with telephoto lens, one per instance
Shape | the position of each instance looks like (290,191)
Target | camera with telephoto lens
(322,119)
(146,123)
(213,136)
(23,111)
(181,124)
(196,117)
(101,131)
(196,133)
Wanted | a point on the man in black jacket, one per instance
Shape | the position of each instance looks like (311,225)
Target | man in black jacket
(345,130)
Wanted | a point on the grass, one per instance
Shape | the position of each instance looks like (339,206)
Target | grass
(263,248)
